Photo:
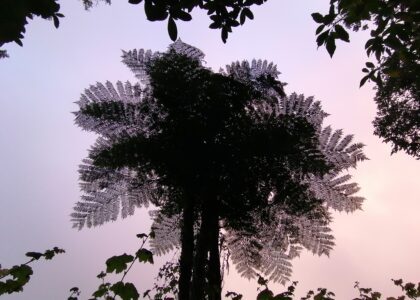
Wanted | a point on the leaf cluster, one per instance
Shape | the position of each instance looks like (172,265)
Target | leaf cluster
(166,283)
(18,276)
(410,290)
(119,264)
(394,42)
(224,15)
(14,15)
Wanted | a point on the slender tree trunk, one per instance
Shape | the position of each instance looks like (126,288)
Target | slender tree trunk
(214,276)
(201,254)
(187,250)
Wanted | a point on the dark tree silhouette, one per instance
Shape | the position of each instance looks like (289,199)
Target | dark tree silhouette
(217,149)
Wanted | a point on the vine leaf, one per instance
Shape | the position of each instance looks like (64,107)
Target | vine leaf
(145,256)
(127,291)
(118,263)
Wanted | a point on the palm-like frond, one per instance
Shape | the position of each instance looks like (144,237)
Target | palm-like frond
(167,233)
(276,265)
(245,252)
(260,74)
(340,151)
(298,105)
(137,62)
(190,51)
(109,193)
(336,192)
(112,112)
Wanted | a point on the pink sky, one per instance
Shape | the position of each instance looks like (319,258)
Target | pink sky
(41,147)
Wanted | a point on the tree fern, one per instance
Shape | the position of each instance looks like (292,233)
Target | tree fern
(125,115)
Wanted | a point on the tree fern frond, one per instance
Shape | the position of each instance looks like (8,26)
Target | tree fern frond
(245,253)
(298,105)
(324,137)
(333,141)
(167,233)
(109,193)
(336,192)
(342,154)
(261,74)
(190,51)
(276,265)
(107,112)
(137,62)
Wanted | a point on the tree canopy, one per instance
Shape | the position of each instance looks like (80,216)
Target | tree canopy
(215,150)
(395,44)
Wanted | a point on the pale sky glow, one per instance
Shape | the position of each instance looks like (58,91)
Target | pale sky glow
(41,148)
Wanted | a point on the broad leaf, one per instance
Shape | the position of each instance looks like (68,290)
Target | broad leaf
(118,263)
(127,291)
(145,255)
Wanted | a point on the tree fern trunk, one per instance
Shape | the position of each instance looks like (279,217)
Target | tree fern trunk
(187,250)
(214,276)
(201,254)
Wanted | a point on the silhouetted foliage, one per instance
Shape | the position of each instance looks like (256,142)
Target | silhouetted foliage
(394,29)
(224,15)
(215,150)
(14,15)
(18,276)
(165,287)
(394,43)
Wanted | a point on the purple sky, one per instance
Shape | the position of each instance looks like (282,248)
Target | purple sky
(40,147)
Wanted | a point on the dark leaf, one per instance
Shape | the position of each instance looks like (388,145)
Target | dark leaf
(182,15)
(156,12)
(145,255)
(49,254)
(34,255)
(215,25)
(21,273)
(127,291)
(319,29)
(265,295)
(19,42)
(141,235)
(58,250)
(56,21)
(330,45)
(317,17)
(328,19)
(118,263)
(363,81)
(342,34)
(102,290)
(370,65)
(242,17)
(246,13)
(172,30)
(224,34)
(322,37)
(101,275)
(135,1)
